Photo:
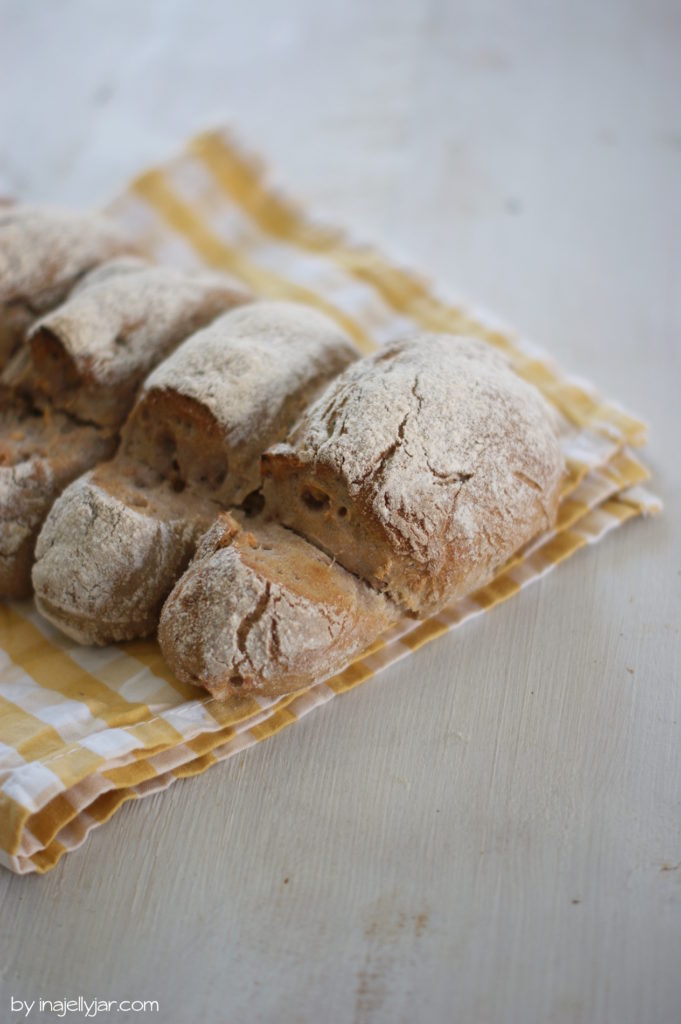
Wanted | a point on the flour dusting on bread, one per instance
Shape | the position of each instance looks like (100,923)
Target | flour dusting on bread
(421,468)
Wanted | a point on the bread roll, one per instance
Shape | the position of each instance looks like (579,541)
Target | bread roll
(110,549)
(116,541)
(421,469)
(207,414)
(71,387)
(43,251)
(39,455)
(89,356)
(260,611)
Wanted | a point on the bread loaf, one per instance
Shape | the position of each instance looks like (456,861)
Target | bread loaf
(261,611)
(421,469)
(74,382)
(43,252)
(115,542)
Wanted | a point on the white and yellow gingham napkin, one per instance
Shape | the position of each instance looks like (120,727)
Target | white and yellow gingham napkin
(84,729)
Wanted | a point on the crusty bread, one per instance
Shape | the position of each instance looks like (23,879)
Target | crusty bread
(115,542)
(74,383)
(40,453)
(209,411)
(421,469)
(89,356)
(109,547)
(261,611)
(43,251)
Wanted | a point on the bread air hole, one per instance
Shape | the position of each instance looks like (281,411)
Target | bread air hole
(315,498)
(253,503)
(176,481)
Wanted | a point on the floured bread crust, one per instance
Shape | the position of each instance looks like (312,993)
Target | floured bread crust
(123,533)
(40,452)
(89,356)
(421,469)
(189,449)
(71,386)
(43,252)
(233,389)
(261,611)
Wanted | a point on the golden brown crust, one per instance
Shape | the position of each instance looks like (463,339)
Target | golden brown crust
(261,611)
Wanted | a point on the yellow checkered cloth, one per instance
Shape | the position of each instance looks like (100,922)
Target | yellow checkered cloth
(84,729)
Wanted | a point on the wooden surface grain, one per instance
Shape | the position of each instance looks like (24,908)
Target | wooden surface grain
(517,858)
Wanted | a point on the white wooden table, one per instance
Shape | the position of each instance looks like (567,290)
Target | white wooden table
(518,858)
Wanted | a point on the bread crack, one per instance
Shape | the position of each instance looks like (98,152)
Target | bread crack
(524,478)
(383,458)
(333,413)
(458,476)
(417,396)
(274,646)
(248,622)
